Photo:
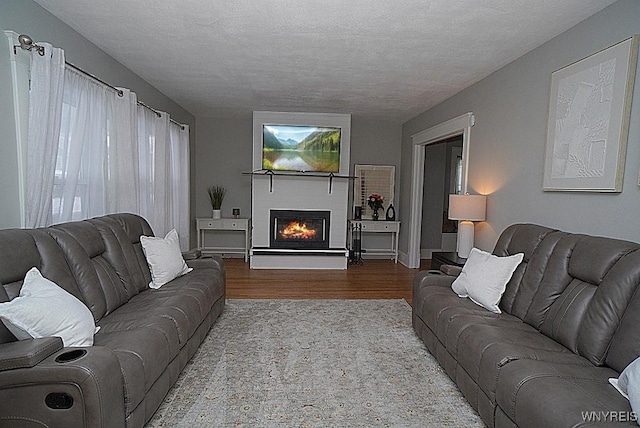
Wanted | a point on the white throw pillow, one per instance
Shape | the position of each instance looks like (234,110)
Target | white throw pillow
(43,309)
(164,258)
(484,278)
(628,384)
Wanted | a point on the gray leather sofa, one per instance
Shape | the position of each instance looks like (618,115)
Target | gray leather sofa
(146,336)
(570,320)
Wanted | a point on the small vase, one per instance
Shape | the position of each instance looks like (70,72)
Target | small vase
(374,215)
(216,214)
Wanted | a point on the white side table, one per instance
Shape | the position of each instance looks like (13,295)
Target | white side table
(203,225)
(380,226)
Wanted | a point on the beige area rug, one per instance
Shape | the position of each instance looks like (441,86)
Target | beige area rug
(314,363)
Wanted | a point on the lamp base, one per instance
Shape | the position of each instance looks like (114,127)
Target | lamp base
(465,238)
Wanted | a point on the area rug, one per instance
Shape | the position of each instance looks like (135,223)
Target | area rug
(314,363)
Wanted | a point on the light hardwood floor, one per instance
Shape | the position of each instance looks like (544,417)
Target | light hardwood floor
(374,279)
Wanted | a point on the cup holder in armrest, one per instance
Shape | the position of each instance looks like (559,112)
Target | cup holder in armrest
(67,357)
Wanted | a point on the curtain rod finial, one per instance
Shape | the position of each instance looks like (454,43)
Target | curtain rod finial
(26,43)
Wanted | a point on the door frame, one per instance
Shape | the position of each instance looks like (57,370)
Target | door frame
(460,125)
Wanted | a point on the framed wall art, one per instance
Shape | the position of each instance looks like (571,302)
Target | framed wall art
(589,110)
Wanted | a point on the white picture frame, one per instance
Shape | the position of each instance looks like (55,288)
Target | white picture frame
(379,179)
(588,122)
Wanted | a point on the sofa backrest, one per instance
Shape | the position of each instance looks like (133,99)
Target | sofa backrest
(625,345)
(100,261)
(522,238)
(99,282)
(573,288)
(131,228)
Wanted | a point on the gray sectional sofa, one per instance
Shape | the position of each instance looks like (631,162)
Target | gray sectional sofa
(570,320)
(146,336)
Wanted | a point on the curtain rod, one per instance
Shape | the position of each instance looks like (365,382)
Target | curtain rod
(27,43)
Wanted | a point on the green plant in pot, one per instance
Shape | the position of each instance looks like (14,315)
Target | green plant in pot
(216,195)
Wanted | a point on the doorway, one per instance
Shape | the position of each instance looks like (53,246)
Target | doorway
(442,177)
(460,125)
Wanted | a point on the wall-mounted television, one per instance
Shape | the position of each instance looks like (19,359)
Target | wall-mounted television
(301,148)
(295,142)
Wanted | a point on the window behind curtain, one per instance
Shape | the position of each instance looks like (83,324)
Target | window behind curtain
(92,146)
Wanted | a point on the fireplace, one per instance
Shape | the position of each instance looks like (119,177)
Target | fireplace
(299,229)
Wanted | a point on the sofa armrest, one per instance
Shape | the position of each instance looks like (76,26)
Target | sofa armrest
(191,254)
(71,387)
(27,353)
(451,270)
(210,262)
(432,277)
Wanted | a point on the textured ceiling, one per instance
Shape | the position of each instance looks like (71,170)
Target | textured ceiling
(382,59)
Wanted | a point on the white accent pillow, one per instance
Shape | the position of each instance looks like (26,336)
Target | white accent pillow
(43,309)
(164,258)
(628,384)
(484,278)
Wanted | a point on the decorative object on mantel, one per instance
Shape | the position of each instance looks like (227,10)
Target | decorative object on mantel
(216,195)
(588,125)
(466,208)
(391,213)
(375,202)
(236,212)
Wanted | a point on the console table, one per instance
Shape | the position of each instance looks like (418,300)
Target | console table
(380,226)
(224,224)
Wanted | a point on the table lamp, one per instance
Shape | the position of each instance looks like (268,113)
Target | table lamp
(467,209)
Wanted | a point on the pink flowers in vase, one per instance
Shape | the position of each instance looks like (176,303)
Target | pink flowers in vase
(375,202)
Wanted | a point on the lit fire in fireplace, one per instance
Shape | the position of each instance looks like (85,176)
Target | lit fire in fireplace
(297,230)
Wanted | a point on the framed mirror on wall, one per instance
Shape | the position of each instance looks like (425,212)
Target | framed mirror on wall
(374,180)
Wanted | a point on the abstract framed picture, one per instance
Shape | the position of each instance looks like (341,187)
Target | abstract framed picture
(588,123)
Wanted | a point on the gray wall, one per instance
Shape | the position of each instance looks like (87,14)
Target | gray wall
(224,150)
(27,17)
(508,140)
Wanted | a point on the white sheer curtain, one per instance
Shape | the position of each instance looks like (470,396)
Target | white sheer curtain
(80,187)
(45,110)
(179,137)
(163,151)
(124,170)
(93,151)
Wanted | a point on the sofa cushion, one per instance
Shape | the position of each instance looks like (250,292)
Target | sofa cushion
(628,384)
(551,268)
(118,251)
(164,258)
(542,393)
(522,238)
(43,309)
(134,227)
(611,298)
(101,289)
(143,354)
(484,278)
(185,301)
(625,345)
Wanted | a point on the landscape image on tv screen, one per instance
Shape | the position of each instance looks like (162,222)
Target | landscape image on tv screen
(300,148)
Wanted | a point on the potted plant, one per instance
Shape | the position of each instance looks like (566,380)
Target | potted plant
(216,195)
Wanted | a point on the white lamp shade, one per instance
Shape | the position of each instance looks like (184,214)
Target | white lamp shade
(467,207)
